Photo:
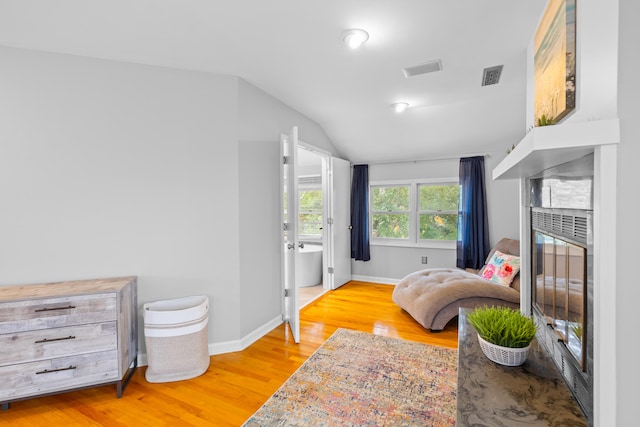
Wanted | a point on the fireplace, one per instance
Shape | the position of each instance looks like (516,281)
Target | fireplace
(560,287)
(561,209)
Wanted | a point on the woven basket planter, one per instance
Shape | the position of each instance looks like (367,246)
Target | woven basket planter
(504,355)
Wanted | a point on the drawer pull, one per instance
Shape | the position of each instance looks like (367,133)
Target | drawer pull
(48,371)
(55,308)
(70,337)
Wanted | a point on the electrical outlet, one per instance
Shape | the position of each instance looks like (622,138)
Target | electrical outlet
(424,259)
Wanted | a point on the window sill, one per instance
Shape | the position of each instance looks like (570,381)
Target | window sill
(422,245)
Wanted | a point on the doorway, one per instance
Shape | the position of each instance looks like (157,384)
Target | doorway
(311,278)
(326,235)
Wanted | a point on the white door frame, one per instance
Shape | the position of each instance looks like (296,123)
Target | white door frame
(290,300)
(333,222)
(289,230)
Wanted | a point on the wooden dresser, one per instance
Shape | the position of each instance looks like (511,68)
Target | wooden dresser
(57,337)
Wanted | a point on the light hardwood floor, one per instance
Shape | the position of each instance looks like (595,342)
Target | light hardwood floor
(309,294)
(236,384)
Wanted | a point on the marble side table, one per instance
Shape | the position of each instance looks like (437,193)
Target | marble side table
(489,394)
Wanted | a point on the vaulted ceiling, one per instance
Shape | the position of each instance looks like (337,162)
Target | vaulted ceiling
(291,49)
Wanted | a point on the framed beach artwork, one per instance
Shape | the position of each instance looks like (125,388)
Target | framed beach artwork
(554,63)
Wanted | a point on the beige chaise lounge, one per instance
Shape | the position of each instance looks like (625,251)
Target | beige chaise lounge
(433,296)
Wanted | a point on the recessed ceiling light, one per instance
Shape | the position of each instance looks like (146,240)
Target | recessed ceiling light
(399,107)
(354,37)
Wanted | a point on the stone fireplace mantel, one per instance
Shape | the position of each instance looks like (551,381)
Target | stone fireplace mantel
(533,394)
(549,146)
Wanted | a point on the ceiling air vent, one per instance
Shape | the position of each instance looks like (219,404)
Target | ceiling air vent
(491,75)
(427,67)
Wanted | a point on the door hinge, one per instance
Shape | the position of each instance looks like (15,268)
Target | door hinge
(286,293)
(285,226)
(285,160)
(330,270)
(329,220)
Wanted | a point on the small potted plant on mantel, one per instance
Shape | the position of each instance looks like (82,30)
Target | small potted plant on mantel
(504,334)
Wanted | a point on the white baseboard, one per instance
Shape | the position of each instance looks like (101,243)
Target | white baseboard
(380,280)
(225,347)
(260,332)
(234,345)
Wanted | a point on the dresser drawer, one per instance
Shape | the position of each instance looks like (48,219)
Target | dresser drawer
(63,373)
(43,344)
(57,337)
(29,315)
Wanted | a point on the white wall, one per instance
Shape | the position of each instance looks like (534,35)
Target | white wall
(259,235)
(504,204)
(389,264)
(309,163)
(112,169)
(627,236)
(261,120)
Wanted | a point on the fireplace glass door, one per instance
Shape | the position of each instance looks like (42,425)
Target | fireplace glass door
(559,291)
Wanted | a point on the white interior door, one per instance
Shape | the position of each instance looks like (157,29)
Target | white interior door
(289,226)
(340,218)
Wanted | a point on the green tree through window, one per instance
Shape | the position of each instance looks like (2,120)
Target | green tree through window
(390,206)
(310,213)
(438,212)
(415,212)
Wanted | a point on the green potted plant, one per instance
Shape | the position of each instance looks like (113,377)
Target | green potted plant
(504,334)
(545,121)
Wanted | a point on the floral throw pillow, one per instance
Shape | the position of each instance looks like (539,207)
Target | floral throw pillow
(501,268)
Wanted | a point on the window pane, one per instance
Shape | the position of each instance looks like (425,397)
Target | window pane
(390,226)
(310,200)
(390,199)
(439,197)
(310,212)
(438,227)
(310,224)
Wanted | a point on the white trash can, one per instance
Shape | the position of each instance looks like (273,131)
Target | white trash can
(176,335)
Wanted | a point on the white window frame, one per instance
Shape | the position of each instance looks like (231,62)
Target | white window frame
(411,208)
(414,214)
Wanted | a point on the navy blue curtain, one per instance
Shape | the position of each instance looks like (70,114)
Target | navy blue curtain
(360,213)
(473,225)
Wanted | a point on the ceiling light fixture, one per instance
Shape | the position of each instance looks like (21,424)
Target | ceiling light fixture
(399,107)
(354,37)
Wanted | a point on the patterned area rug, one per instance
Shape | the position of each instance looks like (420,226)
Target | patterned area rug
(361,379)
